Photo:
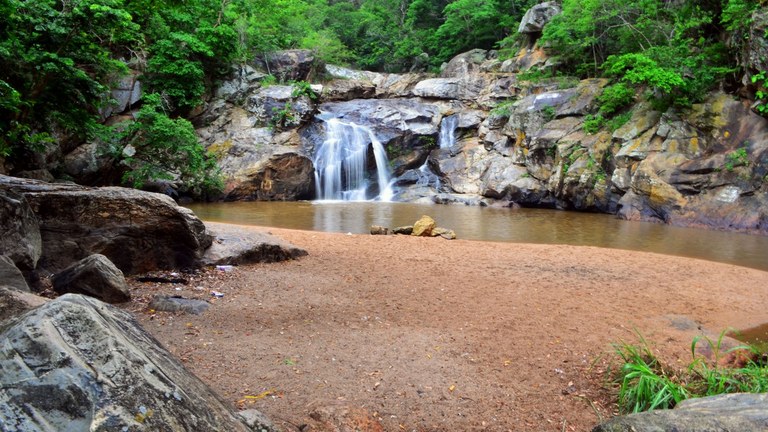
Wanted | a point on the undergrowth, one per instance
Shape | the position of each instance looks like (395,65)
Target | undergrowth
(645,383)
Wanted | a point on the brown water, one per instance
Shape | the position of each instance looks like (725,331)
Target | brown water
(755,336)
(500,225)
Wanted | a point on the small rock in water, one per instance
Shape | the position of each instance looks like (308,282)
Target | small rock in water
(379,230)
(406,230)
(424,226)
(444,233)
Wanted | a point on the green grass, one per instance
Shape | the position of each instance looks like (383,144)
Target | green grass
(646,384)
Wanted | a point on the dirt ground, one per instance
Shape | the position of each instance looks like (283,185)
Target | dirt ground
(426,334)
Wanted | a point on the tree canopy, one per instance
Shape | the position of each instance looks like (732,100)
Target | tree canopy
(58,59)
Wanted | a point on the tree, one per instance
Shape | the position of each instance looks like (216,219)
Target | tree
(56,59)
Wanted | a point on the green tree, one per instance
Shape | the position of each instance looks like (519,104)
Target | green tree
(161,148)
(56,59)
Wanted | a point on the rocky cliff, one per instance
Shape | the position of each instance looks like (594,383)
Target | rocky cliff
(518,142)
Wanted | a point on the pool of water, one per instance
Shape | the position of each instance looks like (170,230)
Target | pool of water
(500,225)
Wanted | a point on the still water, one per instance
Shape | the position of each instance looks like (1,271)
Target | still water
(500,225)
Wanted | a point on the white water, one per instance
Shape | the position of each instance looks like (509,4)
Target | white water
(340,163)
(447,136)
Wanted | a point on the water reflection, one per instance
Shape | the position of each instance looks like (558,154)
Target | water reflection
(486,224)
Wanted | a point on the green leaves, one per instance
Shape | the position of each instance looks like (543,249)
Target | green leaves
(162,148)
(638,68)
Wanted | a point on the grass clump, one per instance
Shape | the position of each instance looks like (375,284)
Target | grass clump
(646,384)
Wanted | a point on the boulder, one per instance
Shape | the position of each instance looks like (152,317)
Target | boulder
(282,177)
(233,245)
(76,363)
(390,119)
(14,303)
(258,162)
(465,64)
(138,231)
(276,106)
(379,230)
(125,93)
(242,81)
(289,65)
(178,304)
(756,53)
(423,227)
(730,412)
(537,17)
(10,275)
(19,231)
(93,276)
(90,164)
(445,233)
(405,230)
(346,89)
(396,85)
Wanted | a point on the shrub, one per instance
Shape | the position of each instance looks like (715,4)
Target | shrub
(162,148)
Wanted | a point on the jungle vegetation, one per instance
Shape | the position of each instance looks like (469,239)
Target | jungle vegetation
(58,58)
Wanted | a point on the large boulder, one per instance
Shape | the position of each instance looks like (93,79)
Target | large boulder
(138,231)
(233,245)
(279,106)
(90,164)
(10,275)
(706,170)
(348,89)
(19,231)
(537,17)
(258,163)
(14,303)
(289,65)
(728,413)
(93,276)
(392,120)
(77,364)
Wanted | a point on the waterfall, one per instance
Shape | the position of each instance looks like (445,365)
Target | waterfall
(447,136)
(341,163)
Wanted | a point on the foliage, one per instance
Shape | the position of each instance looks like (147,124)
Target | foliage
(673,49)
(162,148)
(615,97)
(645,384)
(503,109)
(303,88)
(761,80)
(284,117)
(736,158)
(53,73)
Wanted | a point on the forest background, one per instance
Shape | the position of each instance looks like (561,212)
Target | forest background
(58,59)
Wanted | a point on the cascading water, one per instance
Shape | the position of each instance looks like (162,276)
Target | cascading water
(446,139)
(447,136)
(341,162)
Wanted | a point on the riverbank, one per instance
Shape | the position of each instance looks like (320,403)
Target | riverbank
(428,334)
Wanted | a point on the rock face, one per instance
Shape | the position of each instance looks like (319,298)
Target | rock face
(93,276)
(257,160)
(19,231)
(138,231)
(733,412)
(519,143)
(76,363)
(289,65)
